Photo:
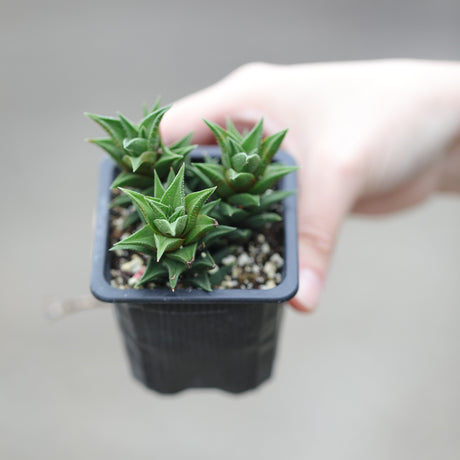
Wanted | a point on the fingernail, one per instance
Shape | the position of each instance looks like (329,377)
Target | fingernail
(310,286)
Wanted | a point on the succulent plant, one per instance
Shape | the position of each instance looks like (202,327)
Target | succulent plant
(176,228)
(245,175)
(139,150)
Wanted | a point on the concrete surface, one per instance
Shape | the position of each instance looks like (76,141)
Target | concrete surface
(374,374)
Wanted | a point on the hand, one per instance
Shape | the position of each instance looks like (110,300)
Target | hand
(371,137)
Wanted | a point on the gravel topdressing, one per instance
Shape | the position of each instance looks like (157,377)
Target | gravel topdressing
(257,264)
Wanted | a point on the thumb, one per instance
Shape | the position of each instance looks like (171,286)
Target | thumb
(326,196)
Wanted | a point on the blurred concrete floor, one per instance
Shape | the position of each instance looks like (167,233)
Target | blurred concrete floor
(373,374)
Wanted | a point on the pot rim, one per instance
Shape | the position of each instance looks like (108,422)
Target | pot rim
(100,276)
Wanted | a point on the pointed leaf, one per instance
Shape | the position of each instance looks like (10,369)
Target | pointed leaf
(111,125)
(167,160)
(240,181)
(147,206)
(136,146)
(154,272)
(231,129)
(209,207)
(194,203)
(215,173)
(271,198)
(273,173)
(151,123)
(252,163)
(221,138)
(179,212)
(172,229)
(184,142)
(129,127)
(174,195)
(111,148)
(254,137)
(159,189)
(164,227)
(239,161)
(216,233)
(270,146)
(186,255)
(245,200)
(142,205)
(202,226)
(202,281)
(160,210)
(259,220)
(128,179)
(175,269)
(142,241)
(165,244)
(204,261)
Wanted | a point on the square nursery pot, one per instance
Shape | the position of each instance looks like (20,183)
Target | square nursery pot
(189,338)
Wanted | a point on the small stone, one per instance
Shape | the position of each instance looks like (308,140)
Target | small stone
(261,238)
(229,260)
(277,260)
(236,271)
(133,265)
(270,284)
(270,269)
(132,281)
(265,248)
(244,259)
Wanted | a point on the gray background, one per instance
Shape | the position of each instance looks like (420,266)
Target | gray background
(373,374)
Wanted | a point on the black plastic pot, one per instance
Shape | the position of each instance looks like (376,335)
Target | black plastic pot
(189,338)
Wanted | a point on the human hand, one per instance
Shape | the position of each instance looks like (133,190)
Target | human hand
(370,137)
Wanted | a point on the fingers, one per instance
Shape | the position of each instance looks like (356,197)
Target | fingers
(325,199)
(241,96)
(228,98)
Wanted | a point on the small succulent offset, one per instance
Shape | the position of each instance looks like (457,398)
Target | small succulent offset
(175,226)
(139,150)
(245,175)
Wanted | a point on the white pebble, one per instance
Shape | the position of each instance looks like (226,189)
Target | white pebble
(277,260)
(229,260)
(270,269)
(270,284)
(265,248)
(133,265)
(244,259)
(261,238)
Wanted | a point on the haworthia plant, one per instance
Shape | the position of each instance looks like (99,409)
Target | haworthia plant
(245,175)
(138,149)
(176,229)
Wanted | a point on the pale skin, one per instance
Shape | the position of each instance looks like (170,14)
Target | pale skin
(371,137)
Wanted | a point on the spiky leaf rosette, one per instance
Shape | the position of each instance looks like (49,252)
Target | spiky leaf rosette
(138,149)
(246,174)
(175,226)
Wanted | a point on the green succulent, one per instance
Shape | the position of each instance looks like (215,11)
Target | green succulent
(245,175)
(139,150)
(176,228)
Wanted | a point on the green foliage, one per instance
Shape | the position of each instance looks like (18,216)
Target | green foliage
(177,224)
(246,175)
(138,149)
(174,228)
